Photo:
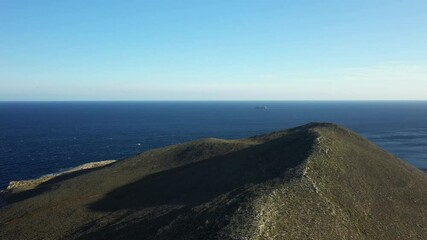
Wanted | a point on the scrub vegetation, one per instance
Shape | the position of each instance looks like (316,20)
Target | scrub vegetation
(317,181)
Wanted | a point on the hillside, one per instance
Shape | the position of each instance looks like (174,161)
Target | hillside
(317,181)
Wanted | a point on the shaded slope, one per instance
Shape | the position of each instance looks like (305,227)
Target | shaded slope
(349,189)
(317,181)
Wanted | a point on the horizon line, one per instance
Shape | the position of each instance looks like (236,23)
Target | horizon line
(228,100)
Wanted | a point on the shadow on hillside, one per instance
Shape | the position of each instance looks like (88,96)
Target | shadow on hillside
(201,182)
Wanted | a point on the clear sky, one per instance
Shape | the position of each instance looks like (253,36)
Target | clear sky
(213,50)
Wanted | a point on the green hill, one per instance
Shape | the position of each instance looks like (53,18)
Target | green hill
(317,181)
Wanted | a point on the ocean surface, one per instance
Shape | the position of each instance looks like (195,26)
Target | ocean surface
(37,138)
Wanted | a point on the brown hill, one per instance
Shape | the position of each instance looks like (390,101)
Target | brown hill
(317,181)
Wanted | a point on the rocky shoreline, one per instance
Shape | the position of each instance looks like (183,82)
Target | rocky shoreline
(23,185)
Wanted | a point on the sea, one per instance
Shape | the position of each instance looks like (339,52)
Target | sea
(38,138)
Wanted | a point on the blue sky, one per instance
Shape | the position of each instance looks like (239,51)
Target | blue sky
(213,50)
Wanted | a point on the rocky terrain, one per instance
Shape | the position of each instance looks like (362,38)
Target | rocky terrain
(317,181)
(24,185)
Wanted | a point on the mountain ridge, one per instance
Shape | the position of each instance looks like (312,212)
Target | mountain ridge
(318,181)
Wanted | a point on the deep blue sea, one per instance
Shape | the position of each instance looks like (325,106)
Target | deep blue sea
(37,138)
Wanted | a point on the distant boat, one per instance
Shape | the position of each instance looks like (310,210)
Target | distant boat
(261,107)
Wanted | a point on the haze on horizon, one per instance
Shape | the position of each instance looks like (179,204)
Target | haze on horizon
(219,50)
